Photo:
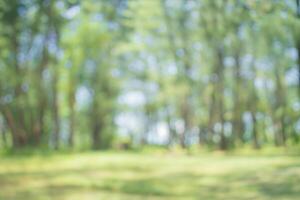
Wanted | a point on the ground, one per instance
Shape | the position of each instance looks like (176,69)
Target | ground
(129,176)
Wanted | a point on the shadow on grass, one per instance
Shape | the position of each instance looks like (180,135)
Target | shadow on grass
(281,182)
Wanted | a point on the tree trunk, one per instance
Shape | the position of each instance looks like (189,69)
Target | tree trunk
(42,103)
(237,111)
(298,51)
(186,61)
(202,135)
(55,31)
(71,127)
(19,136)
(4,135)
(280,104)
(220,68)
(212,115)
(298,46)
(185,112)
(96,137)
(171,130)
(55,108)
(96,121)
(254,130)
(71,117)
(253,107)
(223,142)
(17,121)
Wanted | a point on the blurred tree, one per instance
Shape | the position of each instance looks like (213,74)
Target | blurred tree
(218,73)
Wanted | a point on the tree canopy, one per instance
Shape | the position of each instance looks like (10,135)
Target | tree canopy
(95,74)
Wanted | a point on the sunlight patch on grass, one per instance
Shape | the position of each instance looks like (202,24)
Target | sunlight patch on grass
(146,176)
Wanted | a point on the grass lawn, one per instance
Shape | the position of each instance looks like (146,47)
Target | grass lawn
(129,176)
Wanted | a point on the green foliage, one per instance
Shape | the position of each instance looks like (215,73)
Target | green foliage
(217,73)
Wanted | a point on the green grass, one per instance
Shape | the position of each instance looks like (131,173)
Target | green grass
(130,176)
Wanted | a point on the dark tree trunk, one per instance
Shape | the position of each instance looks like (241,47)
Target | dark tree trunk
(202,135)
(54,31)
(254,131)
(280,104)
(253,102)
(96,137)
(71,127)
(18,134)
(4,135)
(298,46)
(42,104)
(223,141)
(185,112)
(220,68)
(71,117)
(298,51)
(171,129)
(17,121)
(212,116)
(55,108)
(237,110)
(96,126)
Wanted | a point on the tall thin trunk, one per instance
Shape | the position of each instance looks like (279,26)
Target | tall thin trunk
(71,116)
(17,121)
(172,131)
(281,104)
(96,125)
(202,135)
(172,48)
(253,107)
(71,127)
(42,104)
(237,110)
(96,118)
(220,90)
(254,130)
(3,134)
(212,115)
(223,141)
(55,109)
(185,114)
(96,137)
(298,51)
(187,66)
(54,31)
(298,45)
